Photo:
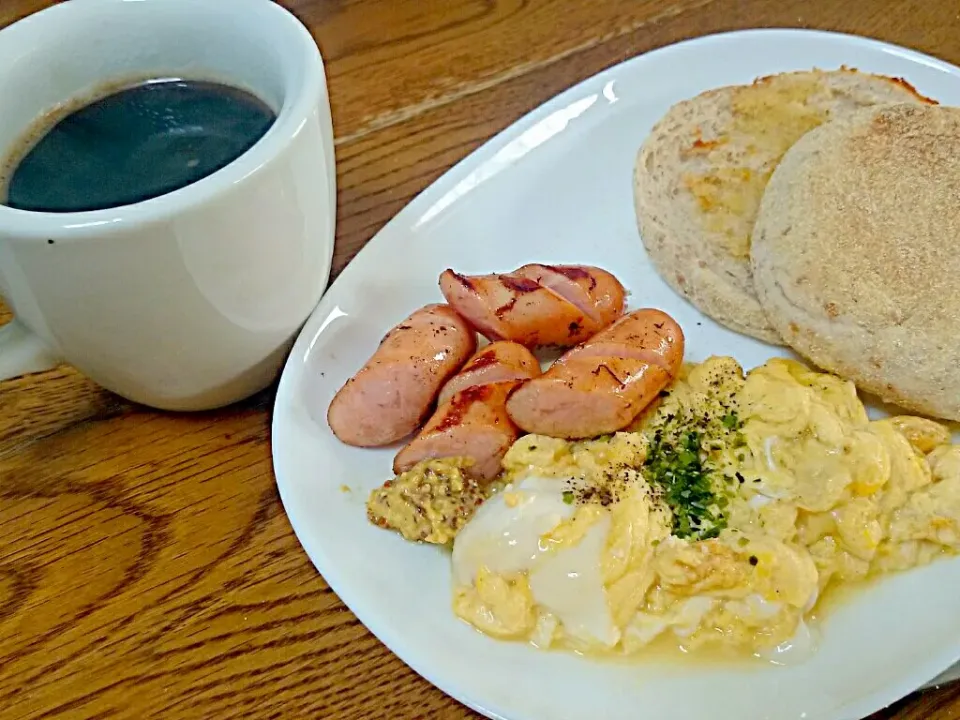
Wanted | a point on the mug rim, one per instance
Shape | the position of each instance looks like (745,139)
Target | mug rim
(34,226)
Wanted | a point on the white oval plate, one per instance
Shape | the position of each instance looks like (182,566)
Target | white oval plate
(556,187)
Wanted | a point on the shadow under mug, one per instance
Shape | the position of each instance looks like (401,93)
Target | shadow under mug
(189,300)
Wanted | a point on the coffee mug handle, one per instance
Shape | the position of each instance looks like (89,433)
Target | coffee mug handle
(22,352)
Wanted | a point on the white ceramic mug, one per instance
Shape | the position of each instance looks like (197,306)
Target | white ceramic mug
(189,300)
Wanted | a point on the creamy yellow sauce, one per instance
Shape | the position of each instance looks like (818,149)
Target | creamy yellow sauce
(584,551)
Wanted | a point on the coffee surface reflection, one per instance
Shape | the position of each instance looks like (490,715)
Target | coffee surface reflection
(134,144)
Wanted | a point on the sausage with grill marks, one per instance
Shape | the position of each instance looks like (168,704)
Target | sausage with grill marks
(393,392)
(600,386)
(537,305)
(497,361)
(472,422)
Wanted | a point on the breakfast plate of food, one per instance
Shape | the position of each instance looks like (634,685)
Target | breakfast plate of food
(647,408)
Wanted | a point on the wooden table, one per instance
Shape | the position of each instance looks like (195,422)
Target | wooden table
(146,565)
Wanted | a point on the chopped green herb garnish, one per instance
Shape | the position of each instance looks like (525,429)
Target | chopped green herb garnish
(568,497)
(731,421)
(674,465)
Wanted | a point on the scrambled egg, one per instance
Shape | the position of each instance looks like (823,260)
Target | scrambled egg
(720,519)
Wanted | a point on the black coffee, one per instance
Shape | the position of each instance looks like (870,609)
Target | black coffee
(136,144)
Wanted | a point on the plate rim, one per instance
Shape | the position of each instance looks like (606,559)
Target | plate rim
(456,172)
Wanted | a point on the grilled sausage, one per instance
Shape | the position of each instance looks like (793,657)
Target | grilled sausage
(596,292)
(602,385)
(537,305)
(392,393)
(473,423)
(496,362)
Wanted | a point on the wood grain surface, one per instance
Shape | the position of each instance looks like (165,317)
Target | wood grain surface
(147,569)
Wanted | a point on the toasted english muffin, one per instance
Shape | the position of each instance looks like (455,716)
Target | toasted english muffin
(856,253)
(700,175)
